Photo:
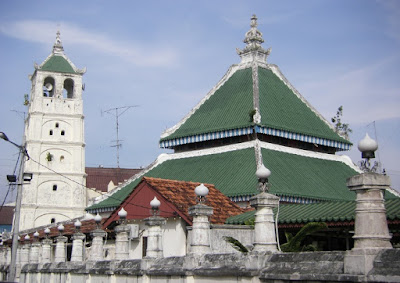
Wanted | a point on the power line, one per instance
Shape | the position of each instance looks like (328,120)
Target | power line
(83,186)
(10,185)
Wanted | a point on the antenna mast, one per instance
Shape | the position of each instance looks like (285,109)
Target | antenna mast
(116,112)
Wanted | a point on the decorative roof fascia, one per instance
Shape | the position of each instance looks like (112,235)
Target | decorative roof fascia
(249,130)
(222,149)
(206,137)
(302,137)
(283,198)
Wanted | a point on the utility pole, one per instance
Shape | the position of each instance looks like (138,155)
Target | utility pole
(116,112)
(17,211)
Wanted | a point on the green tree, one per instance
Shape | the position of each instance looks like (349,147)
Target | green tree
(294,243)
(342,129)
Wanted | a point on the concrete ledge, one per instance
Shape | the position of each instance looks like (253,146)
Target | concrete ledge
(252,267)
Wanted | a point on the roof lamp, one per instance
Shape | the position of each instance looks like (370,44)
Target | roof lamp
(155,205)
(368,146)
(97,219)
(201,192)
(263,174)
(77,225)
(60,228)
(122,215)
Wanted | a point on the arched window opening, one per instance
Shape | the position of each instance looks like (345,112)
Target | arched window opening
(53,220)
(57,125)
(63,133)
(68,91)
(62,158)
(54,187)
(51,132)
(48,87)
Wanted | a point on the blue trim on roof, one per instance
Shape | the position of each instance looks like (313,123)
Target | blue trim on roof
(301,137)
(206,137)
(289,199)
(250,130)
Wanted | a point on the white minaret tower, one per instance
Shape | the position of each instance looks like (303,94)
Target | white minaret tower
(54,137)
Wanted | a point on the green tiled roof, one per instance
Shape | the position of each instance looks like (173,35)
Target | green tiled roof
(233,173)
(228,108)
(332,211)
(58,64)
(281,109)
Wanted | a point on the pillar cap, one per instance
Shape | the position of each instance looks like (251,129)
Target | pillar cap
(200,210)
(367,181)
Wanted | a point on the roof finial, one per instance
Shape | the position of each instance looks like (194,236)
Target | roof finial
(254,39)
(253,35)
(57,47)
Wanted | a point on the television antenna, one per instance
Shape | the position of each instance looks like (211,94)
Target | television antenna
(116,112)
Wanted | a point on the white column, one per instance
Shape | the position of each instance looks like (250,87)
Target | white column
(264,224)
(24,254)
(154,237)
(122,242)
(370,227)
(200,241)
(60,249)
(96,251)
(3,255)
(371,232)
(34,253)
(77,247)
(8,259)
(46,251)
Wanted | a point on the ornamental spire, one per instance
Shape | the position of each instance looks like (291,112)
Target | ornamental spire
(253,39)
(57,47)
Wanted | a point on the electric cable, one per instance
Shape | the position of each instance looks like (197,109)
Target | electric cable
(110,196)
(11,185)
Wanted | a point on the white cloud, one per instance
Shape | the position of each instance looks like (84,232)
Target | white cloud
(143,55)
(365,93)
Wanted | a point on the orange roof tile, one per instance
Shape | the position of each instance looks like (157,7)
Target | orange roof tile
(181,195)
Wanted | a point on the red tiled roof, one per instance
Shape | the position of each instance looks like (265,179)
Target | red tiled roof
(69,229)
(99,177)
(6,215)
(179,196)
(182,195)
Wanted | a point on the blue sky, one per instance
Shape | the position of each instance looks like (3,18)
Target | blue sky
(166,55)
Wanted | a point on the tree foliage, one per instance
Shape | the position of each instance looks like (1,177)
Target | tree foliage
(236,244)
(342,129)
(294,243)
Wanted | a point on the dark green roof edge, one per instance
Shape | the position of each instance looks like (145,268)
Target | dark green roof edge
(330,211)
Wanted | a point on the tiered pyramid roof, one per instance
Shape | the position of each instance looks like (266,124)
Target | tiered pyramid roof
(248,108)
(254,96)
